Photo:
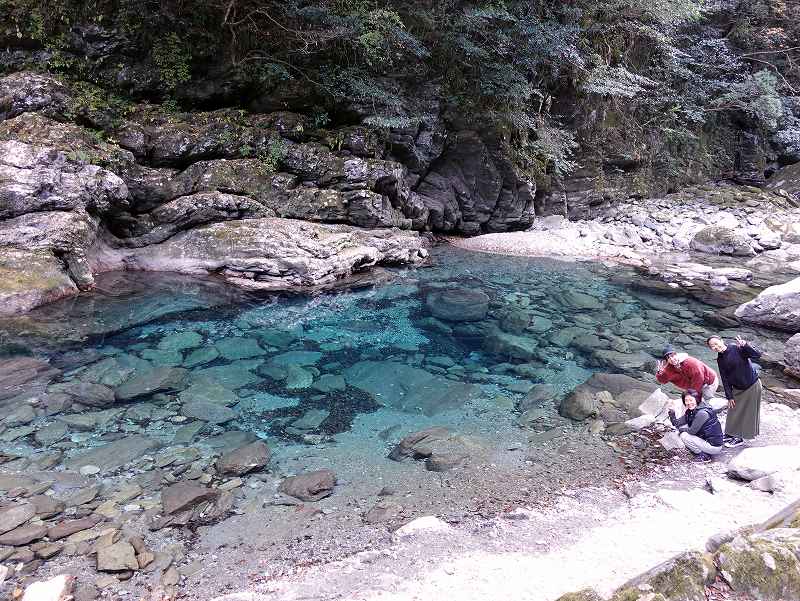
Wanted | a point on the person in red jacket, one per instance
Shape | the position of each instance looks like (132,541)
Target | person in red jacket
(687,373)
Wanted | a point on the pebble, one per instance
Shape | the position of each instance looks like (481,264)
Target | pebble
(89,470)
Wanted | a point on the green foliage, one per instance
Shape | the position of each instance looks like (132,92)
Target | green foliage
(272,157)
(660,74)
(173,60)
(757,97)
(96,105)
(617,82)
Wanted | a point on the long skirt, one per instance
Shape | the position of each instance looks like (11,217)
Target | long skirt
(744,417)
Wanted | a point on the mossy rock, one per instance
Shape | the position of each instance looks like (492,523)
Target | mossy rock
(632,594)
(764,565)
(586,594)
(682,578)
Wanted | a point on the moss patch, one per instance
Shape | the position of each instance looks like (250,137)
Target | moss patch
(766,566)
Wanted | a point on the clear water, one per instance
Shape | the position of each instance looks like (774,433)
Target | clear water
(300,371)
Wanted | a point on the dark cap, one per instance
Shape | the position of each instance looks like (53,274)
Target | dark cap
(668,351)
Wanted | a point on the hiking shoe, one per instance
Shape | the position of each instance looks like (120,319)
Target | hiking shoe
(733,442)
(703,458)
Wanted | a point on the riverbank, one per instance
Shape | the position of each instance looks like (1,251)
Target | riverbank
(729,225)
(593,537)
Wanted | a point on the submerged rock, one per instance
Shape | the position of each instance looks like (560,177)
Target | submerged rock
(397,385)
(458,304)
(113,455)
(311,486)
(157,379)
(419,445)
(208,411)
(15,515)
(248,458)
(185,495)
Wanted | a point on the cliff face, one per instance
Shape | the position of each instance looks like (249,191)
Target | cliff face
(134,130)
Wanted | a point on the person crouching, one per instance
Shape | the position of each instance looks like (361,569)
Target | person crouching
(699,427)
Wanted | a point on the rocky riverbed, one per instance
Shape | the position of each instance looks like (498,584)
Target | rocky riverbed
(180,423)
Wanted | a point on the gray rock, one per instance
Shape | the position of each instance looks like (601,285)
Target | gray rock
(37,179)
(329,383)
(15,515)
(28,92)
(201,356)
(419,445)
(297,378)
(118,557)
(86,393)
(763,565)
(311,419)
(65,529)
(251,457)
(444,462)
(311,486)
(22,415)
(210,393)
(23,535)
(185,495)
(31,278)
(279,254)
(690,573)
(47,506)
(776,307)
(509,345)
(113,455)
(756,462)
(791,354)
(299,358)
(719,240)
(157,379)
(180,341)
(382,512)
(458,304)
(397,385)
(236,348)
(208,411)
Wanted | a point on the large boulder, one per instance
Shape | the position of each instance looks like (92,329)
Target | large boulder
(756,462)
(456,304)
(776,307)
(764,565)
(791,355)
(26,91)
(682,578)
(616,396)
(29,279)
(279,254)
(34,178)
(719,240)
